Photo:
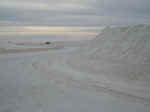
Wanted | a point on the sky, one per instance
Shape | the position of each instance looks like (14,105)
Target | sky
(92,14)
(73,12)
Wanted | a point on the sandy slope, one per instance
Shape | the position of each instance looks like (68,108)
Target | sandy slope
(119,57)
(43,82)
(108,74)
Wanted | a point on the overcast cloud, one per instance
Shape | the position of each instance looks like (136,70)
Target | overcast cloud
(73,12)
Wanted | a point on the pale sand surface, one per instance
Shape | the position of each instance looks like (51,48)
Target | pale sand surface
(24,50)
(108,74)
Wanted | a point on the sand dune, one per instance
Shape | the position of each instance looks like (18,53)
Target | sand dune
(119,58)
(109,74)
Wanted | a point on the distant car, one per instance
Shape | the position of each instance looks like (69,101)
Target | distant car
(47,43)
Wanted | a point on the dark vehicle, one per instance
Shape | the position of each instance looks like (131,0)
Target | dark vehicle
(47,43)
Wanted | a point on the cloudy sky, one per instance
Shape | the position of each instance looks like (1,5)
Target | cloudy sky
(40,14)
(73,12)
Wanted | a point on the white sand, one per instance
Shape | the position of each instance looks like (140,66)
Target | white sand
(108,74)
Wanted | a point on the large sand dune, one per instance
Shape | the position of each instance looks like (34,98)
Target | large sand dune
(119,58)
(108,74)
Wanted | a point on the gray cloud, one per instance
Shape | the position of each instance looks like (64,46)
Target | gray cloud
(73,12)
